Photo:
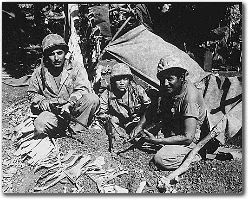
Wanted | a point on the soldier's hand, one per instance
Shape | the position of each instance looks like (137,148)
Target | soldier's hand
(149,137)
(66,108)
(59,101)
(134,133)
(45,105)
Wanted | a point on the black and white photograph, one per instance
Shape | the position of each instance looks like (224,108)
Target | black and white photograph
(122,97)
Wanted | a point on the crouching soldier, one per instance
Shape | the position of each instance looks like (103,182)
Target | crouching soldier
(123,103)
(60,83)
(181,112)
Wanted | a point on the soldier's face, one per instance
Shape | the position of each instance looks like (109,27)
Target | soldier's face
(57,58)
(170,84)
(122,83)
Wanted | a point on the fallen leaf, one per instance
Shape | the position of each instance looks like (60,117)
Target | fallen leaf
(173,191)
(13,170)
(6,137)
(6,162)
(10,172)
(7,175)
(74,190)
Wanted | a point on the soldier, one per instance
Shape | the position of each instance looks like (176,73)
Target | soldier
(60,82)
(181,112)
(124,103)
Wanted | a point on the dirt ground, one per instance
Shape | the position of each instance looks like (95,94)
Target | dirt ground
(19,177)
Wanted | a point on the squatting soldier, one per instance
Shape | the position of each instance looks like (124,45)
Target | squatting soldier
(60,82)
(181,112)
(124,103)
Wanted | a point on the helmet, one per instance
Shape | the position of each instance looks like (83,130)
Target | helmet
(169,63)
(53,41)
(121,69)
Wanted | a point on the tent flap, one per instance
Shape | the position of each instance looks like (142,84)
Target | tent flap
(142,50)
(223,99)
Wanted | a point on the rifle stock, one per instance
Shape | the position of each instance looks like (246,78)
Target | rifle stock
(155,126)
(68,116)
(108,128)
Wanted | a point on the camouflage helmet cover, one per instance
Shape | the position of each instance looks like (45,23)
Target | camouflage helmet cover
(52,41)
(121,69)
(169,62)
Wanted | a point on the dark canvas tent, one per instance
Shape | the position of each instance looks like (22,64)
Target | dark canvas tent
(142,50)
(223,99)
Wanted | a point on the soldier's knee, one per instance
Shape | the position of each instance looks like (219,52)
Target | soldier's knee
(40,125)
(167,162)
(45,123)
(89,99)
(158,159)
(94,99)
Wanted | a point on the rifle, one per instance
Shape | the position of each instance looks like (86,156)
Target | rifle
(108,128)
(141,139)
(67,116)
(156,126)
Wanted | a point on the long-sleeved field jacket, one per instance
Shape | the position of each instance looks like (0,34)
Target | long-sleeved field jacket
(73,85)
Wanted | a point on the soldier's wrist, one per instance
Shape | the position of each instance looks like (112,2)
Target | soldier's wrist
(71,103)
(42,101)
(140,127)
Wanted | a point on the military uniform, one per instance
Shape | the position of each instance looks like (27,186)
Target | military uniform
(125,111)
(172,112)
(73,87)
(173,108)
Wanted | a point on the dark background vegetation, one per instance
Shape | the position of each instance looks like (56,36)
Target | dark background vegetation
(187,25)
(193,23)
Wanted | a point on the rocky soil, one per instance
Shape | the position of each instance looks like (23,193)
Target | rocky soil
(19,177)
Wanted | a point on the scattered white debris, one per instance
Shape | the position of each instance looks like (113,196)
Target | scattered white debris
(119,189)
(236,155)
(141,187)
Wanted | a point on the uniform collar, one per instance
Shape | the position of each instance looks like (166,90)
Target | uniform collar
(64,75)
